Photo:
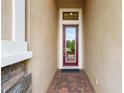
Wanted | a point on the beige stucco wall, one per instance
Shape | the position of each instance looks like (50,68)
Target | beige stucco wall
(69,3)
(6,19)
(42,40)
(103,44)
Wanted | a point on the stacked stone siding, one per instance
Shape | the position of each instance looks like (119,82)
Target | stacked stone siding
(14,79)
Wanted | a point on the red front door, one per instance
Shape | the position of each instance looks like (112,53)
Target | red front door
(70,45)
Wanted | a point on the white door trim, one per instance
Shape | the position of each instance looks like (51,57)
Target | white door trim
(60,38)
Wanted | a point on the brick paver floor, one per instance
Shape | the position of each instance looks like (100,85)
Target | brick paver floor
(70,82)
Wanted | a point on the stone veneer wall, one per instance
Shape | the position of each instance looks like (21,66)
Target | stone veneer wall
(14,79)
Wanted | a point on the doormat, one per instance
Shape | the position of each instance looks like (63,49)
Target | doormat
(70,70)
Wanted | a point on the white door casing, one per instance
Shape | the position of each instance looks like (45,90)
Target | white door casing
(80,38)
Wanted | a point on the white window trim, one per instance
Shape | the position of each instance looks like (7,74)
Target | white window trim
(18,20)
(60,38)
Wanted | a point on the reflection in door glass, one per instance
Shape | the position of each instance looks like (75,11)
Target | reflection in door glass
(70,44)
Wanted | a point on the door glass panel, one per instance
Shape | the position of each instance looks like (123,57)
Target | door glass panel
(70,44)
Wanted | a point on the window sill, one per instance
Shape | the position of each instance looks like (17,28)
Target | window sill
(15,58)
(14,52)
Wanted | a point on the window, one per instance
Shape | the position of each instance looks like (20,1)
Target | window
(13,46)
(70,15)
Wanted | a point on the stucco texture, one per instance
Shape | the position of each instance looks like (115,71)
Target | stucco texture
(6,19)
(42,41)
(69,3)
(103,44)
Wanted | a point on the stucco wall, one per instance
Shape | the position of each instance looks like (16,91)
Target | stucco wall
(42,40)
(69,3)
(103,44)
(6,19)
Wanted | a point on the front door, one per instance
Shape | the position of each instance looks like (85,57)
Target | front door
(70,45)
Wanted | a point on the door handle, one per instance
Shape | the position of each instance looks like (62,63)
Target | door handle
(64,48)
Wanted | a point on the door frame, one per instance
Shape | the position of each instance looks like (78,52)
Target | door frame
(80,38)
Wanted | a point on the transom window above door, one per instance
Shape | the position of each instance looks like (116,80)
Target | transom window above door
(70,15)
